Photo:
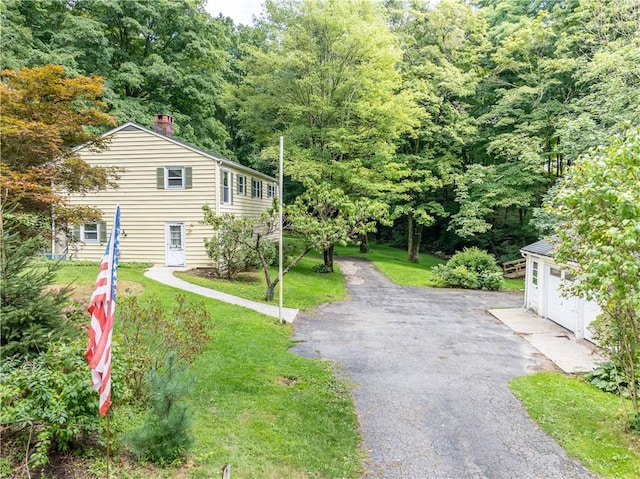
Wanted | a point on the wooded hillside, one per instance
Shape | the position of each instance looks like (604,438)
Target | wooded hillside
(457,117)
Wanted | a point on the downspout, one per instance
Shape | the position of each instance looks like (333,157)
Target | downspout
(216,198)
(217,187)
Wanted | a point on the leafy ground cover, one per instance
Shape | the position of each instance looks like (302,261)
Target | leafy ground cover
(588,423)
(256,406)
(392,262)
(303,288)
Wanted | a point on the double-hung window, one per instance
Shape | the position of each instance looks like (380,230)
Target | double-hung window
(271,190)
(226,186)
(256,188)
(174,177)
(242,185)
(90,233)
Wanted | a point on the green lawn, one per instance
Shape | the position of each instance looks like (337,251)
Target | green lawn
(267,412)
(588,423)
(303,289)
(393,263)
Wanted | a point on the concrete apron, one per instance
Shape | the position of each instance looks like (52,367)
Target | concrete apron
(570,354)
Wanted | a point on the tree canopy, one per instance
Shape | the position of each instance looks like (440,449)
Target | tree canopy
(459,116)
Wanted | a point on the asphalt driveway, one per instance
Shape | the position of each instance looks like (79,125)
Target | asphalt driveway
(431,370)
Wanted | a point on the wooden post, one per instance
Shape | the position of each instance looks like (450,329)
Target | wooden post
(226,471)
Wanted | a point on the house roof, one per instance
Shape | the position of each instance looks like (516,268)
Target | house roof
(130,126)
(541,247)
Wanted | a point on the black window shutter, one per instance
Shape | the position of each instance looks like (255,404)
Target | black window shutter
(160,178)
(76,233)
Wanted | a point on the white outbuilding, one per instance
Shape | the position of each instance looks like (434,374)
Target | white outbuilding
(544,293)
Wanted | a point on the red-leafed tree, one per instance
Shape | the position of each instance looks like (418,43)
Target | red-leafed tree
(45,114)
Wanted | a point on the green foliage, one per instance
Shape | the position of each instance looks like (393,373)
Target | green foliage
(149,331)
(31,314)
(470,268)
(47,404)
(610,378)
(164,438)
(597,206)
(229,247)
(321,268)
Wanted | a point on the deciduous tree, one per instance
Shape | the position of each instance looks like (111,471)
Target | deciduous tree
(598,210)
(46,113)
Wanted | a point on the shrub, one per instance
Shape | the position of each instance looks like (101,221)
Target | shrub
(149,334)
(31,314)
(321,268)
(47,404)
(610,378)
(164,437)
(470,268)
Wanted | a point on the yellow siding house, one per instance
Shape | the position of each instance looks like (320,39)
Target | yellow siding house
(162,188)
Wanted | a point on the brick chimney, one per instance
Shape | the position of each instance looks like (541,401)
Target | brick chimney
(164,124)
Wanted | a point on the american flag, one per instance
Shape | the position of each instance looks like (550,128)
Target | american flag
(102,307)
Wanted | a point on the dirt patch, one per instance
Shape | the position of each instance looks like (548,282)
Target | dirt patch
(288,381)
(82,294)
(249,277)
(350,271)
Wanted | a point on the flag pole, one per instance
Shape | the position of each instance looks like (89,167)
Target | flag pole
(108,440)
(280,187)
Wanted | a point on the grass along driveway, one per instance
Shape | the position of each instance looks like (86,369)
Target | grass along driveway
(267,412)
(303,288)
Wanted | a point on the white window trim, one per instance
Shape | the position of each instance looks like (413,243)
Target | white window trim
(256,192)
(227,189)
(83,237)
(166,178)
(242,185)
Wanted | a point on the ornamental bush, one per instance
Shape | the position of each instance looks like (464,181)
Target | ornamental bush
(470,268)
(47,403)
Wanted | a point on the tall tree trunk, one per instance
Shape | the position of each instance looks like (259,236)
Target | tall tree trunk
(364,243)
(328,258)
(415,237)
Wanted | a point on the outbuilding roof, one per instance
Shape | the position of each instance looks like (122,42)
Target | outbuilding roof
(541,247)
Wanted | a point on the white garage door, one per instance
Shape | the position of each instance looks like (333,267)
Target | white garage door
(558,308)
(591,312)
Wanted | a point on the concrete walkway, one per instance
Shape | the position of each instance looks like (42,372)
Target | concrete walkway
(165,275)
(555,342)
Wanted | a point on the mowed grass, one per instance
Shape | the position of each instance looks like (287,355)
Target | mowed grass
(302,288)
(256,406)
(393,263)
(588,423)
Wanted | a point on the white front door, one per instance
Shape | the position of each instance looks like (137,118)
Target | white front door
(174,238)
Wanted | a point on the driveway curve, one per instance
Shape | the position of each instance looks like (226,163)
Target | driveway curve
(430,370)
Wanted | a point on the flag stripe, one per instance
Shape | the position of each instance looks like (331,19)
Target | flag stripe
(102,310)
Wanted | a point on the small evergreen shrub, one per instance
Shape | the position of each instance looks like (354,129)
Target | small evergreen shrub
(470,268)
(164,437)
